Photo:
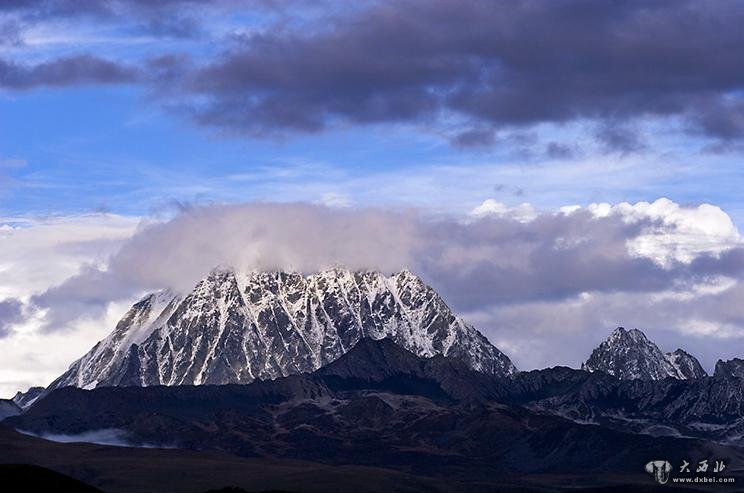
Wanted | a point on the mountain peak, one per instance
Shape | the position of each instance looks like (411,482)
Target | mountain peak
(629,354)
(685,364)
(385,365)
(236,327)
(730,368)
(623,334)
(372,359)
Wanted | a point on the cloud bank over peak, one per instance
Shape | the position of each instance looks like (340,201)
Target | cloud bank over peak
(500,255)
(563,277)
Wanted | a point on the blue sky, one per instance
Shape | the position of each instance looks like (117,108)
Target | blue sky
(134,144)
(78,150)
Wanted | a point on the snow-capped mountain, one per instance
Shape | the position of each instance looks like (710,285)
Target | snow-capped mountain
(236,327)
(629,354)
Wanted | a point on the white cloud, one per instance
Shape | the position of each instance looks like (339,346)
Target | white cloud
(681,233)
(335,199)
(35,254)
(32,357)
(671,232)
(523,212)
(545,333)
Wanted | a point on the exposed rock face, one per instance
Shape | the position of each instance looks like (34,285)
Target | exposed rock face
(237,327)
(629,355)
(687,365)
(384,362)
(708,407)
(109,361)
(731,368)
(381,405)
(25,399)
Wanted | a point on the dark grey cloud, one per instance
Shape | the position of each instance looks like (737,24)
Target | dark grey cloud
(616,137)
(492,64)
(475,137)
(11,312)
(722,118)
(68,71)
(474,68)
(557,150)
(497,261)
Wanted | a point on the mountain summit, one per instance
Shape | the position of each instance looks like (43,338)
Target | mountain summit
(236,327)
(629,355)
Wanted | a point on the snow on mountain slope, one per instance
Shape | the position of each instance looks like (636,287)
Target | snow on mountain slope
(685,364)
(24,400)
(102,364)
(629,354)
(235,327)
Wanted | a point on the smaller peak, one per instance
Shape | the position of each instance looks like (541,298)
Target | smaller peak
(630,355)
(368,345)
(25,399)
(729,368)
(384,343)
(373,359)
